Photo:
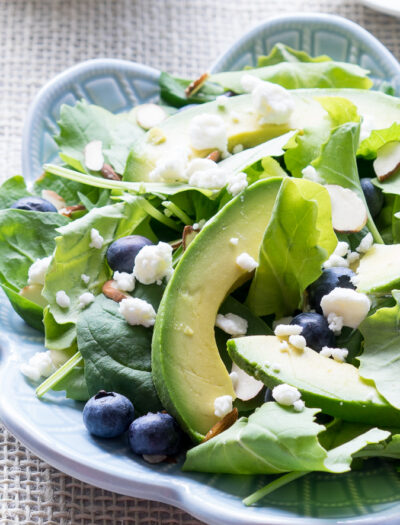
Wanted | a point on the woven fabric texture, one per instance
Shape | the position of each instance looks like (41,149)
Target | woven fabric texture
(40,38)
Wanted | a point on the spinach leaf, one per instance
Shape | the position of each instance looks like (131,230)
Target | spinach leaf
(30,312)
(380,361)
(298,238)
(172,90)
(74,385)
(276,439)
(11,190)
(117,355)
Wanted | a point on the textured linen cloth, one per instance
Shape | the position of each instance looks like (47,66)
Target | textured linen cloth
(41,38)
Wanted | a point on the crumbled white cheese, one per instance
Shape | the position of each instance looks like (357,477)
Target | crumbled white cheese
(199,225)
(124,281)
(342,249)
(62,299)
(310,173)
(38,269)
(299,405)
(272,103)
(275,368)
(234,378)
(335,323)
(284,330)
(171,167)
(234,241)
(353,257)
(212,178)
(352,306)
(39,365)
(283,346)
(285,394)
(208,131)
(355,280)
(222,101)
(365,244)
(237,183)
(246,262)
(85,278)
(137,312)
(298,341)
(93,154)
(237,149)
(334,261)
(85,299)
(96,239)
(222,405)
(153,263)
(232,324)
(338,354)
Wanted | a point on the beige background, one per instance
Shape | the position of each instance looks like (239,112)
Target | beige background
(39,39)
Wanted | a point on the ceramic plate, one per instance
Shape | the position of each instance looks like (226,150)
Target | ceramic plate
(53,428)
(389,7)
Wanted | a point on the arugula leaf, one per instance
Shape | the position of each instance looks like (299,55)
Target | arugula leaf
(282,53)
(298,238)
(117,355)
(380,361)
(11,190)
(275,439)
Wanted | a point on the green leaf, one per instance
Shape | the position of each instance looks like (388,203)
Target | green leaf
(11,190)
(172,90)
(30,312)
(275,439)
(298,238)
(74,385)
(380,361)
(282,53)
(378,138)
(117,355)
(340,110)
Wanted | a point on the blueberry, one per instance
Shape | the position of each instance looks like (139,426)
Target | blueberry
(108,414)
(329,279)
(33,204)
(121,254)
(315,330)
(155,434)
(373,196)
(268,395)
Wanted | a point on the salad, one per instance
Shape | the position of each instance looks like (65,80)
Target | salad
(218,274)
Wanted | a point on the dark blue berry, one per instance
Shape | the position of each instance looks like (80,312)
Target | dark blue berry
(329,279)
(373,196)
(121,254)
(155,434)
(33,204)
(108,414)
(316,330)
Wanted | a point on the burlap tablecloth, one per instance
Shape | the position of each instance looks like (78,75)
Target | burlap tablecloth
(40,38)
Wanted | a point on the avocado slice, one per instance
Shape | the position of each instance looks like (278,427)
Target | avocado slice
(379,269)
(336,388)
(172,134)
(187,369)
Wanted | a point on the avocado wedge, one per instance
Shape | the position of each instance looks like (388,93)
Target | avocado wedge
(187,369)
(336,388)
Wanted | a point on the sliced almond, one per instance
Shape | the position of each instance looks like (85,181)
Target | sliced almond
(349,213)
(215,156)
(111,291)
(108,173)
(387,160)
(56,200)
(189,233)
(196,85)
(246,387)
(93,153)
(222,425)
(68,211)
(150,115)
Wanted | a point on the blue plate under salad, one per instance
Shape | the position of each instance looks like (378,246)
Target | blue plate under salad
(52,427)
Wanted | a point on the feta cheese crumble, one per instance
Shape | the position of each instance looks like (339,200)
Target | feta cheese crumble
(246,262)
(335,323)
(231,324)
(335,261)
(299,405)
(208,131)
(341,249)
(38,269)
(209,176)
(353,257)
(153,263)
(271,102)
(222,405)
(365,244)
(284,330)
(234,241)
(124,281)
(96,239)
(285,394)
(85,278)
(39,365)
(310,173)
(85,299)
(137,312)
(93,155)
(283,346)
(237,183)
(171,167)
(352,306)
(222,101)
(338,354)
(62,299)
(298,341)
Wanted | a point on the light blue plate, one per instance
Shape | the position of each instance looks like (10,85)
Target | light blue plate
(53,428)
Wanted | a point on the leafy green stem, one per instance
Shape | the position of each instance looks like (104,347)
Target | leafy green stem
(59,374)
(374,230)
(178,212)
(274,485)
(160,217)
